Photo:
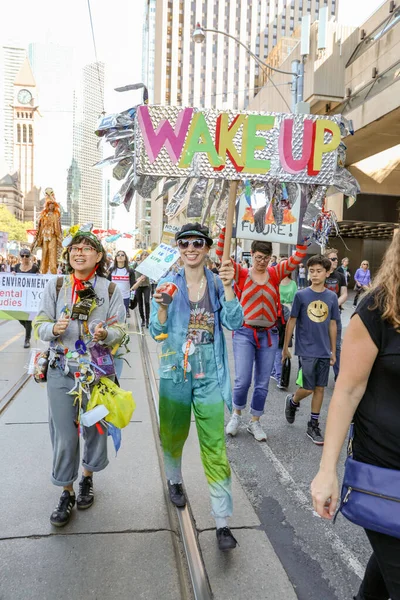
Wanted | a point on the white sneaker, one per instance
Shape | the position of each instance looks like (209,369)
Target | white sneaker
(233,425)
(254,427)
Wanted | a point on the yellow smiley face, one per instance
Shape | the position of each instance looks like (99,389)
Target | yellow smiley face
(317,311)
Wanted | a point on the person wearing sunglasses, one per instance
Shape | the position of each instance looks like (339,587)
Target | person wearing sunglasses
(123,276)
(26,265)
(194,370)
(362,278)
(336,282)
(256,343)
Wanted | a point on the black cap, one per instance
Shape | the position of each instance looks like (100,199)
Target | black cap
(25,252)
(194,229)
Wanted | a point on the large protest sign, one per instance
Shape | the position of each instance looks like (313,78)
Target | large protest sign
(20,295)
(188,142)
(158,262)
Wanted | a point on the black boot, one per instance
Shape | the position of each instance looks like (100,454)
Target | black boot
(225,539)
(27,343)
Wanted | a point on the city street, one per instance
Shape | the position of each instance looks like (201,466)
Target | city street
(285,550)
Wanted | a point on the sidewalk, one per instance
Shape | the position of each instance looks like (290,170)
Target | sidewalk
(122,547)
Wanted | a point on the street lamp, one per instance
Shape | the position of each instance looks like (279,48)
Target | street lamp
(135,86)
(199,37)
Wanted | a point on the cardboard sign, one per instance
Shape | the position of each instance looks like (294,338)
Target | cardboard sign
(158,262)
(258,222)
(168,236)
(188,142)
(20,295)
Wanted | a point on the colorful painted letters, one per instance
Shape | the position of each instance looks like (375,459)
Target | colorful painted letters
(238,141)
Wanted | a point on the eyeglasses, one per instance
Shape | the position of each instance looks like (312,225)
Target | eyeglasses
(24,255)
(83,250)
(259,258)
(123,255)
(334,259)
(197,244)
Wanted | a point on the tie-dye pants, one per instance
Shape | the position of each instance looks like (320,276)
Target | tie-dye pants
(176,403)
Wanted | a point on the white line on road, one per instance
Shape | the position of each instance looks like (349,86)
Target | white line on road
(345,554)
(13,339)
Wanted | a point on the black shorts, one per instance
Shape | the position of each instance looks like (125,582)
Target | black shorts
(315,372)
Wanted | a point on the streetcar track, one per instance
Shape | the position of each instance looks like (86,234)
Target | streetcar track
(9,396)
(198,576)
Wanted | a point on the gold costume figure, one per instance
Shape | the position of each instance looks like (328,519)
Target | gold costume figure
(49,234)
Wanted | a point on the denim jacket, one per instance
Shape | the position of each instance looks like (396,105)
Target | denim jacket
(226,313)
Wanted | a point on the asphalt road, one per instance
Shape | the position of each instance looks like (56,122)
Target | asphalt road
(324,561)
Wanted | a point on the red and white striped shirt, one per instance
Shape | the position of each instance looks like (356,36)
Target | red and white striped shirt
(260,301)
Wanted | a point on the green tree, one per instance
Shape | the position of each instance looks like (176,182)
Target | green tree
(16,229)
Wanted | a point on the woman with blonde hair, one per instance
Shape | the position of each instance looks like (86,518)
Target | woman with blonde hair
(366,393)
(362,278)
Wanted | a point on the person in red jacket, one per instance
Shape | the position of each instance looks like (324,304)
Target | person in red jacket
(255,344)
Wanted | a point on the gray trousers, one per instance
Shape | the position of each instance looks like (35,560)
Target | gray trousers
(64,433)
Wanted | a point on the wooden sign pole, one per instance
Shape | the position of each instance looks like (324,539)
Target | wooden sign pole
(229,219)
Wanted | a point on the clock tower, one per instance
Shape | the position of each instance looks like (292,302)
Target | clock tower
(24,114)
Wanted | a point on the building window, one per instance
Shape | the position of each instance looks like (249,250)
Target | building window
(17,115)
(18,133)
(24,134)
(30,134)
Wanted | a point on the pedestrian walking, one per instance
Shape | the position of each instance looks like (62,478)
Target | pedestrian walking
(143,290)
(362,280)
(123,276)
(287,292)
(70,316)
(336,282)
(314,314)
(367,394)
(344,269)
(302,278)
(255,344)
(194,371)
(26,265)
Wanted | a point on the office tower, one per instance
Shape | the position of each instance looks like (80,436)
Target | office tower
(52,66)
(149,47)
(11,60)
(218,73)
(85,183)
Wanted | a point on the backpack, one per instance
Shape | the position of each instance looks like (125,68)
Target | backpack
(60,281)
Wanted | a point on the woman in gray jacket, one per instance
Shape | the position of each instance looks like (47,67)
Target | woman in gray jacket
(81,315)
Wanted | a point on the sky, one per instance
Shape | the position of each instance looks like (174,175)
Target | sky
(355,12)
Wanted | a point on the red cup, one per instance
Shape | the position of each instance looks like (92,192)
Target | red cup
(168,291)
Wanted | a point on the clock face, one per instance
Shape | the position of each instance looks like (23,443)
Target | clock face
(24,96)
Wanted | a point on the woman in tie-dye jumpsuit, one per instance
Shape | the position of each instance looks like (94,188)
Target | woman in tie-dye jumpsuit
(202,304)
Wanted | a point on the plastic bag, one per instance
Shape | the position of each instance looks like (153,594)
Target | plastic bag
(119,403)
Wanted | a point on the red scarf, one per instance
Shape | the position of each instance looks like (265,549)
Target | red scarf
(79,284)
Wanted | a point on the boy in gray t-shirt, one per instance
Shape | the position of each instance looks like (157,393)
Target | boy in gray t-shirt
(315,312)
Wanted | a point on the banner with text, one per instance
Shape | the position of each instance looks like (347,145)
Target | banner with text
(20,295)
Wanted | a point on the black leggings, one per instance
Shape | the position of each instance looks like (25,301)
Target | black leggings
(382,576)
(27,325)
(143,297)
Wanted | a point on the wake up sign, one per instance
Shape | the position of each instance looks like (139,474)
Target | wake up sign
(187,142)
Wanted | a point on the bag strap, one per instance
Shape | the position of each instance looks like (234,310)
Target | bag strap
(60,281)
(350,440)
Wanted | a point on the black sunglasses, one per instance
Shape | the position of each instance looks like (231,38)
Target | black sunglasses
(24,255)
(121,255)
(198,243)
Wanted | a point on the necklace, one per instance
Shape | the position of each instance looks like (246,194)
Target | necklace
(199,291)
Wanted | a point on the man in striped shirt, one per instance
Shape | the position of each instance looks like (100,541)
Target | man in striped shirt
(255,344)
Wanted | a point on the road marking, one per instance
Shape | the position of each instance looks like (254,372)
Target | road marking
(345,554)
(13,339)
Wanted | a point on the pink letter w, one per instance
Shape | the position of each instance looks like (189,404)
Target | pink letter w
(164,135)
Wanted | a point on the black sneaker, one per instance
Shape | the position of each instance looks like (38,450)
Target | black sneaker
(147,324)
(143,324)
(176,494)
(85,497)
(62,514)
(225,539)
(27,343)
(314,433)
(290,410)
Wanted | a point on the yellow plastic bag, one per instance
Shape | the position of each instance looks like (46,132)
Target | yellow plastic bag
(119,403)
